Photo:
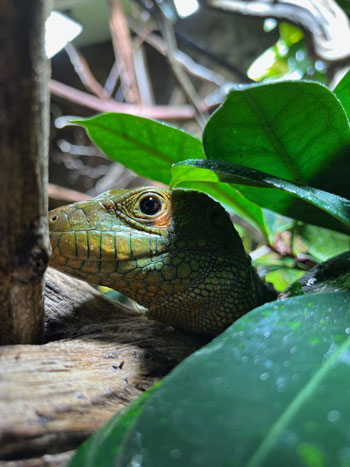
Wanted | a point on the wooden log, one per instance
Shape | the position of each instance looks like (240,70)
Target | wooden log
(99,356)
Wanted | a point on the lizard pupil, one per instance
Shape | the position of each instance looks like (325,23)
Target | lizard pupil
(150,205)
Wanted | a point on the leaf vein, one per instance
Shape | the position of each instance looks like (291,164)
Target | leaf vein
(274,139)
(267,444)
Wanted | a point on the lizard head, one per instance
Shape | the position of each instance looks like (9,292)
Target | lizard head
(175,253)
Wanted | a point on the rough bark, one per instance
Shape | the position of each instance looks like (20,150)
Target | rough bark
(101,355)
(23,176)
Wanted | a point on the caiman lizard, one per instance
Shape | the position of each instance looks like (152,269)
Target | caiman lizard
(175,253)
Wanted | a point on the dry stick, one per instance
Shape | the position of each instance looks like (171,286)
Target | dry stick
(143,77)
(122,45)
(142,69)
(82,69)
(160,112)
(192,67)
(66,195)
(112,79)
(181,77)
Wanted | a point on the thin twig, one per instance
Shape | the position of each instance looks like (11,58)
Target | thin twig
(60,193)
(112,78)
(82,69)
(143,77)
(160,112)
(182,78)
(122,45)
(192,67)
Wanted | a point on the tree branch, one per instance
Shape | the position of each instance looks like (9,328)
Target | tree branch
(184,112)
(82,69)
(181,77)
(123,51)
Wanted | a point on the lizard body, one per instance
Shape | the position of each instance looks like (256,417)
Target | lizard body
(176,253)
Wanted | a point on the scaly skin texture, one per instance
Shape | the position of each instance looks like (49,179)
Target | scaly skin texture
(181,259)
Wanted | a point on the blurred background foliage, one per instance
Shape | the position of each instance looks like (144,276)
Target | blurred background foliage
(157,59)
(288,57)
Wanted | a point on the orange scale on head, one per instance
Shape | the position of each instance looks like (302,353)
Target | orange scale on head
(164,220)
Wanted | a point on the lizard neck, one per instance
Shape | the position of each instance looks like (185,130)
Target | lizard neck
(207,294)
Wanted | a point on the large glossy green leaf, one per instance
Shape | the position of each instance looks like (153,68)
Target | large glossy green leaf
(300,202)
(342,91)
(293,130)
(331,275)
(109,438)
(271,390)
(143,145)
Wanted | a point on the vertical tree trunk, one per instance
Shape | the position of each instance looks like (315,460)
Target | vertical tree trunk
(23,169)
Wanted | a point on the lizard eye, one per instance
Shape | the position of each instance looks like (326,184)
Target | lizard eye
(150,205)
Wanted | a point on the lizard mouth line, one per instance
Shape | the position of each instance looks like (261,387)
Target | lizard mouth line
(102,260)
(97,255)
(62,232)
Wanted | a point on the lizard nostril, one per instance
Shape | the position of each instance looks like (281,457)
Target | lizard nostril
(53,218)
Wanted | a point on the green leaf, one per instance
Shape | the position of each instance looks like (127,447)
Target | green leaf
(342,91)
(293,130)
(282,278)
(293,200)
(332,275)
(145,146)
(322,244)
(271,390)
(109,437)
